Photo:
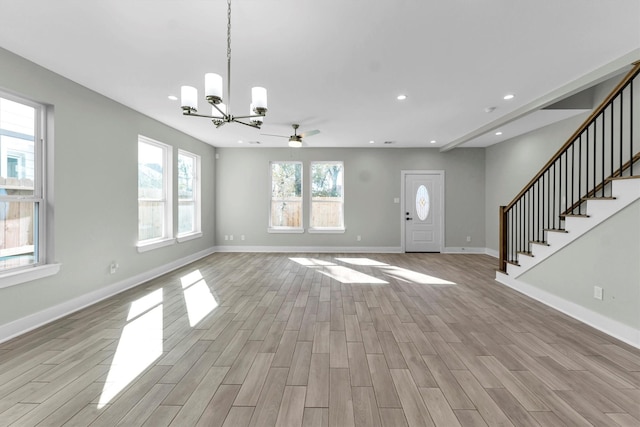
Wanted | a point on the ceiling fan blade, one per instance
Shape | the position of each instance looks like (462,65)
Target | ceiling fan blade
(270,134)
(309,133)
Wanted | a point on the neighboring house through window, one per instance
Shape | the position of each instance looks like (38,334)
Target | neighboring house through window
(155,223)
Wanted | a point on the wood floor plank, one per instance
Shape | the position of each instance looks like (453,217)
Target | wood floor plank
(318,385)
(219,406)
(299,371)
(438,407)
(252,386)
(340,399)
(365,407)
(383,385)
(194,407)
(238,416)
(291,411)
(268,405)
(414,408)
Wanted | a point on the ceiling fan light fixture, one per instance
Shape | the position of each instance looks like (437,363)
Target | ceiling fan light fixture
(295,143)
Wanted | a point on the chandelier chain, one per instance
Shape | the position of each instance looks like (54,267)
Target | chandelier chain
(229,29)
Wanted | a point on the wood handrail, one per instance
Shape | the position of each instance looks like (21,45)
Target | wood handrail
(634,71)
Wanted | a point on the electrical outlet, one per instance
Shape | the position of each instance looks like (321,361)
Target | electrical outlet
(231,237)
(226,237)
(113,267)
(468,239)
(597,292)
(242,237)
(396,200)
(358,238)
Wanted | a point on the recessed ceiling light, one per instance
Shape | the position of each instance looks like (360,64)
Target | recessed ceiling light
(240,141)
(401,97)
(498,133)
(172,97)
(508,96)
(371,142)
(433,141)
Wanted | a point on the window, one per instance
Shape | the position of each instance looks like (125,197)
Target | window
(22,207)
(154,194)
(327,196)
(188,194)
(286,197)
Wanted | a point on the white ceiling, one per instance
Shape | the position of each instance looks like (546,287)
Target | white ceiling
(333,65)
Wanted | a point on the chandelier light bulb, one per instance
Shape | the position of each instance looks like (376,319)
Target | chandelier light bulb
(259,99)
(294,143)
(189,98)
(213,87)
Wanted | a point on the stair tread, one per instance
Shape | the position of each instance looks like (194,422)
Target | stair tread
(513,263)
(525,253)
(574,216)
(539,242)
(623,177)
(599,198)
(556,230)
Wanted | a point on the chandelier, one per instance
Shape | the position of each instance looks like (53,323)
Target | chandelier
(221,113)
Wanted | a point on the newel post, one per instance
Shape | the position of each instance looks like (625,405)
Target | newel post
(503,239)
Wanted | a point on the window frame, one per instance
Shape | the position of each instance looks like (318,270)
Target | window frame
(318,230)
(43,175)
(286,229)
(197,204)
(167,180)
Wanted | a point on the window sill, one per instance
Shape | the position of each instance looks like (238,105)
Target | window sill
(327,230)
(154,244)
(28,274)
(285,230)
(190,236)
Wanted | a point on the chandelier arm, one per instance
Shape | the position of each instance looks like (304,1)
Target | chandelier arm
(225,116)
(235,120)
(249,117)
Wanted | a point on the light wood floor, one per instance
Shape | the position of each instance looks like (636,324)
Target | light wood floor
(317,340)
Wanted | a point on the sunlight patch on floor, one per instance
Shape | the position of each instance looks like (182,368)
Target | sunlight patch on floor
(362,261)
(414,276)
(139,346)
(197,297)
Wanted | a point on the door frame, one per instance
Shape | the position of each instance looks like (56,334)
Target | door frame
(403,176)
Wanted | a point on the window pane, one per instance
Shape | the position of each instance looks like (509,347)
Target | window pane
(150,172)
(185,177)
(327,195)
(17,149)
(150,220)
(286,194)
(17,221)
(186,215)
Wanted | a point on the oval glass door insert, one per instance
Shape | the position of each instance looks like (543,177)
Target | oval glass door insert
(422,202)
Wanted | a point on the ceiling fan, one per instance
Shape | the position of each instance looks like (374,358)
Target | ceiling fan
(295,140)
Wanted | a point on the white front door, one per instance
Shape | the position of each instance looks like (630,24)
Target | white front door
(422,215)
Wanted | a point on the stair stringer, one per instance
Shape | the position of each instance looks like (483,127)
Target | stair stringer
(625,191)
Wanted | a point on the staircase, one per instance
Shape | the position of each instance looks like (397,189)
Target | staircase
(595,174)
(596,210)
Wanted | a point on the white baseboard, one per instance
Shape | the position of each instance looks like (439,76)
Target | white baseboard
(596,320)
(312,249)
(463,250)
(33,321)
(492,252)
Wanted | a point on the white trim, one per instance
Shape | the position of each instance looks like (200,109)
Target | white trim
(154,244)
(492,252)
(312,249)
(626,333)
(326,230)
(187,237)
(403,175)
(285,230)
(16,277)
(35,320)
(464,250)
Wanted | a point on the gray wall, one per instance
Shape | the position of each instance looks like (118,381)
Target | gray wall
(95,186)
(372,181)
(608,256)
